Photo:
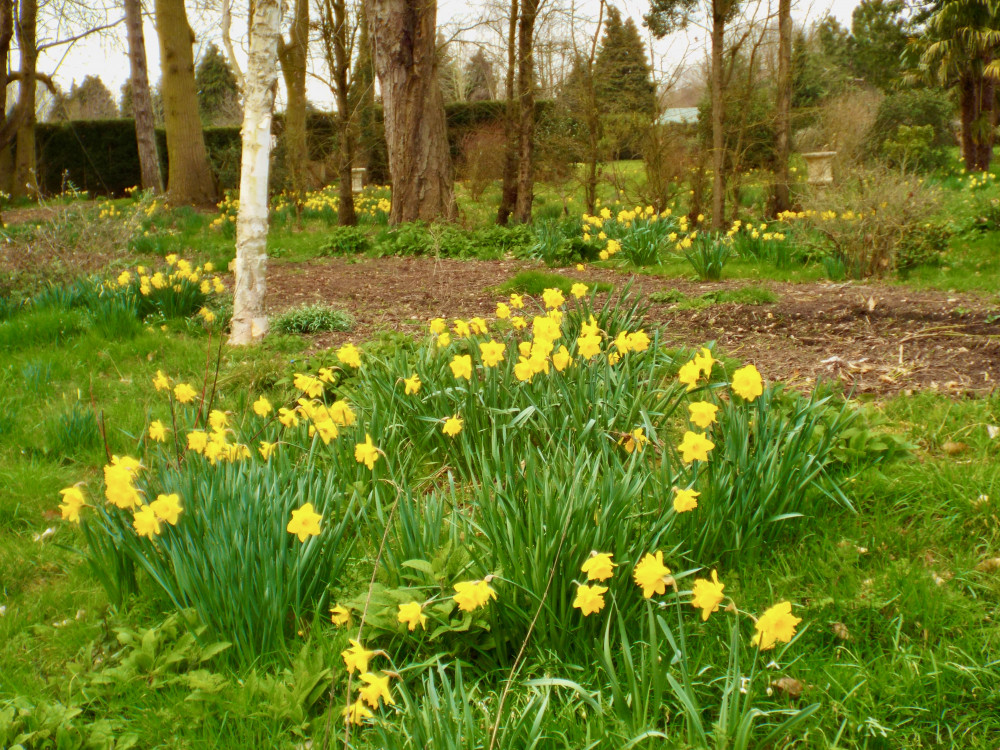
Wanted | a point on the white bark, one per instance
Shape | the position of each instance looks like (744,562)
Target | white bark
(249,320)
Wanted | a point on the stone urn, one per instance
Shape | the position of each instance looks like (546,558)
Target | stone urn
(357,179)
(819,167)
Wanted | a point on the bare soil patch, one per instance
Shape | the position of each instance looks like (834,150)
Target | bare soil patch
(875,338)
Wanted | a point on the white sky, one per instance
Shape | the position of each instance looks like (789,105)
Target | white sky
(106,54)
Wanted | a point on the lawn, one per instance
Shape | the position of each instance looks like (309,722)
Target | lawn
(868,503)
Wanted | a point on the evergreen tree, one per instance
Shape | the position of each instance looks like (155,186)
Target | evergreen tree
(878,38)
(479,79)
(622,76)
(218,93)
(91,100)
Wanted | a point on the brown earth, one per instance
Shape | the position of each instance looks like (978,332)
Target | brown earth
(875,338)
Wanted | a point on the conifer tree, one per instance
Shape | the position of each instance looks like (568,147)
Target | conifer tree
(622,74)
(218,92)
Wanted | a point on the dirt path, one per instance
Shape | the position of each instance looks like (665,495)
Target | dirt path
(876,338)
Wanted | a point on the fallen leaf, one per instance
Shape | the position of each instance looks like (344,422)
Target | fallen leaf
(952,448)
(840,630)
(989,565)
(789,685)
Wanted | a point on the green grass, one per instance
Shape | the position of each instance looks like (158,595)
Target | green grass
(899,642)
(745,295)
(536,282)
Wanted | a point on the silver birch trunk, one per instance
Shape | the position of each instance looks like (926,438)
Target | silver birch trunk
(249,320)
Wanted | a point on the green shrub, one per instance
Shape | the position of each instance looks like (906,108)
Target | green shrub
(920,107)
(312,319)
(345,241)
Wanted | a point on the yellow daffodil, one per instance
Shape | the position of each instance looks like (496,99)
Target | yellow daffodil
(184,393)
(312,387)
(73,502)
(357,657)
(461,366)
(579,290)
(375,688)
(689,374)
(589,599)
(685,500)
(356,713)
(266,449)
(411,614)
(167,508)
(471,595)
(776,625)
(412,384)
(262,407)
(145,522)
(161,382)
(366,453)
(707,595)
(695,447)
(634,440)
(503,311)
(703,413)
(304,522)
(218,420)
(638,341)
(349,355)
(452,426)
(492,352)
(588,346)
(339,615)
(651,574)
(561,359)
(747,383)
(599,566)
(158,431)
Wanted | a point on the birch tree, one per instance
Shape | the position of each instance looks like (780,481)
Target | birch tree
(249,320)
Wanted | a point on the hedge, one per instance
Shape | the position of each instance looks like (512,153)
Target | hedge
(101,156)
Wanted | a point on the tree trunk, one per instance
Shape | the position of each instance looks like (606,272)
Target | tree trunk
(346,216)
(249,320)
(987,113)
(142,101)
(718,118)
(6,35)
(293,68)
(967,107)
(25,182)
(190,179)
(782,200)
(526,107)
(508,194)
(404,37)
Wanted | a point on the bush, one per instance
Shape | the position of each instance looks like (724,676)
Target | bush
(929,108)
(863,223)
(312,319)
(345,241)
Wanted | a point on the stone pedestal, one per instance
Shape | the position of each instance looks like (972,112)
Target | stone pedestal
(358,179)
(819,165)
